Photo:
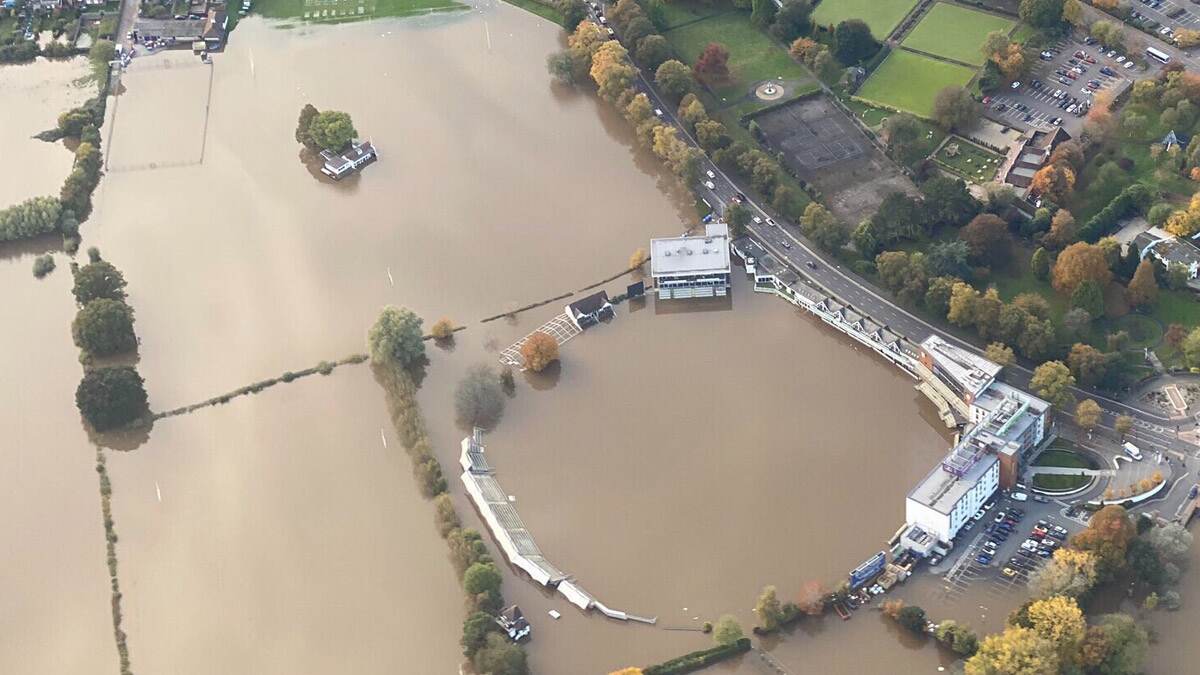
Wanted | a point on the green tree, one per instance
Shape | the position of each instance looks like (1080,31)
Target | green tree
(674,79)
(768,609)
(821,226)
(1039,264)
(500,657)
(652,51)
(1053,381)
(476,629)
(762,12)
(792,20)
(396,338)
(573,12)
(912,618)
(957,637)
(638,28)
(727,631)
(482,582)
(949,259)
(1045,15)
(303,136)
(905,136)
(478,398)
(331,130)
(98,280)
(561,66)
(1115,646)
(1089,297)
(853,42)
(111,397)
(999,353)
(738,217)
(939,293)
(1172,542)
(104,327)
(955,108)
(30,218)
(988,238)
(1087,363)
(948,202)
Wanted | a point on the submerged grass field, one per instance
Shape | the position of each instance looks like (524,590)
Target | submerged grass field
(908,81)
(753,57)
(955,32)
(881,16)
(350,10)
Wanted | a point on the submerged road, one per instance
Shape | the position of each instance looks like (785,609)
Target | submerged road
(786,242)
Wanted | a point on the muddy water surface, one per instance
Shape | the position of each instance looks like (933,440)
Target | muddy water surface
(683,456)
(32,95)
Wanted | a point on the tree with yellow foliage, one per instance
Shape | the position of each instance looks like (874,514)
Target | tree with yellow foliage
(1185,223)
(1071,572)
(539,351)
(1059,620)
(1016,651)
(627,671)
(1054,181)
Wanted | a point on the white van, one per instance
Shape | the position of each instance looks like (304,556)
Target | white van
(1132,450)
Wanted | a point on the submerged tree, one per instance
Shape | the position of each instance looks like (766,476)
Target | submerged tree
(539,351)
(478,399)
(396,338)
(111,397)
(331,130)
(104,327)
(303,135)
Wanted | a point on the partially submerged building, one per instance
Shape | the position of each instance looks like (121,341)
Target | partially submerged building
(589,311)
(513,623)
(338,165)
(692,266)
(1006,425)
(209,28)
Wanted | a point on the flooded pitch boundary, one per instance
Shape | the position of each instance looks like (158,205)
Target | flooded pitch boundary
(514,538)
(149,166)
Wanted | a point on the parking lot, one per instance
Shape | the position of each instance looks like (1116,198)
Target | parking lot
(1006,546)
(1057,91)
(1158,14)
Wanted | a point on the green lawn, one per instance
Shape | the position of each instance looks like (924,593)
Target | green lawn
(1023,33)
(909,81)
(972,162)
(753,57)
(881,16)
(1056,456)
(681,12)
(955,32)
(545,11)
(333,11)
(1057,483)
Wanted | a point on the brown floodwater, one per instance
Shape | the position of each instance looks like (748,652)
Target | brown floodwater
(32,95)
(682,457)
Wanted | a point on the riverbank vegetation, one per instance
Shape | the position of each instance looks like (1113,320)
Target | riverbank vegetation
(397,354)
(1052,633)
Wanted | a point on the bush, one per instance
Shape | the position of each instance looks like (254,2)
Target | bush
(912,618)
(43,265)
(428,472)
(699,659)
(111,397)
(466,549)
(443,329)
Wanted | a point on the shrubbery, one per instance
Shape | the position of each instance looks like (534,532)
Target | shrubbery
(699,659)
(1135,198)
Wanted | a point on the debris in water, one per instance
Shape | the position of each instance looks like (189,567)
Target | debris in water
(382,437)
(511,499)
(554,614)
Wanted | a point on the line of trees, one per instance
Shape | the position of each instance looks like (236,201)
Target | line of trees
(397,351)
(111,396)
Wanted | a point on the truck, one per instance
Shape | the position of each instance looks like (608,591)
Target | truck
(1132,450)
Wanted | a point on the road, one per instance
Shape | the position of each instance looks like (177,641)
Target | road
(787,243)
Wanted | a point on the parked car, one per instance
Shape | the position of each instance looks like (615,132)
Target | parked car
(710,174)
(1008,572)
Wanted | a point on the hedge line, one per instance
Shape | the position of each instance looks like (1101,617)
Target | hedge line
(696,660)
(1131,200)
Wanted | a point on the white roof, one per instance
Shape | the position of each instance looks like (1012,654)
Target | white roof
(972,372)
(694,255)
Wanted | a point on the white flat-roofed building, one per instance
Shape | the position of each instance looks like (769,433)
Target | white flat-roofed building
(945,499)
(692,266)
(966,374)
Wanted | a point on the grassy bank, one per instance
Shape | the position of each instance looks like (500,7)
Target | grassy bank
(534,7)
(351,10)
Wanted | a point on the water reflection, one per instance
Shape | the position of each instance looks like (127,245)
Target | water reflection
(547,379)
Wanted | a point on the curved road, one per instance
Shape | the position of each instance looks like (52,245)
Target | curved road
(787,243)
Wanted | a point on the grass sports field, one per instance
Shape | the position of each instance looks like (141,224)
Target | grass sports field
(752,55)
(955,32)
(350,10)
(908,81)
(881,16)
